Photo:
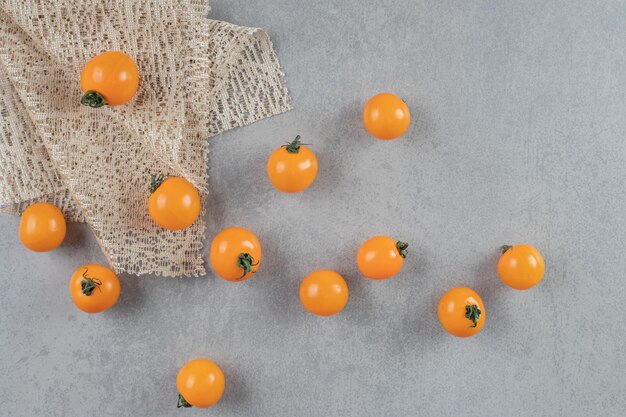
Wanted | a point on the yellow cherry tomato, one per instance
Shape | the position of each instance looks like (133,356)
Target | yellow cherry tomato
(94,288)
(110,78)
(461,312)
(200,383)
(235,254)
(324,293)
(521,266)
(292,168)
(386,116)
(174,203)
(42,227)
(381,257)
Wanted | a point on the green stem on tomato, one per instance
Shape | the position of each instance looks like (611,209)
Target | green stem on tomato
(472,312)
(93,99)
(402,246)
(245,261)
(182,402)
(505,248)
(294,146)
(88,284)
(155,182)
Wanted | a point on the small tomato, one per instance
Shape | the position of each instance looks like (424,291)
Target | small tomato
(386,116)
(293,167)
(461,312)
(42,227)
(521,266)
(381,257)
(174,203)
(324,293)
(94,288)
(110,78)
(200,383)
(235,254)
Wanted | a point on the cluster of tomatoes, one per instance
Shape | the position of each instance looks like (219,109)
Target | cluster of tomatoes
(235,255)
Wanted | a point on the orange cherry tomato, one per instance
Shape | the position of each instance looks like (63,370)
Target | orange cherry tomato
(293,167)
(42,227)
(521,266)
(386,116)
(381,257)
(110,78)
(200,383)
(461,312)
(324,293)
(94,288)
(174,203)
(235,254)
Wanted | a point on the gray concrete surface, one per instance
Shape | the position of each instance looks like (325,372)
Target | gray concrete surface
(518,135)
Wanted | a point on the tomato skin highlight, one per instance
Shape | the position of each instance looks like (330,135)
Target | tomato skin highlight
(452,312)
(42,227)
(226,249)
(113,75)
(292,172)
(175,204)
(201,383)
(324,293)
(521,267)
(386,116)
(379,258)
(104,294)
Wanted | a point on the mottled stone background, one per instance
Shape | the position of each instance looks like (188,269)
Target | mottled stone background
(518,135)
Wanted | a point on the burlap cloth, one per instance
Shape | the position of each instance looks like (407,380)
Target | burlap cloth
(198,77)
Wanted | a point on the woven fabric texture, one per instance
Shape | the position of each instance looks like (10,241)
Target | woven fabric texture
(198,78)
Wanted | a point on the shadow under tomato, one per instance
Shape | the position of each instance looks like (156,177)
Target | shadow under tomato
(235,389)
